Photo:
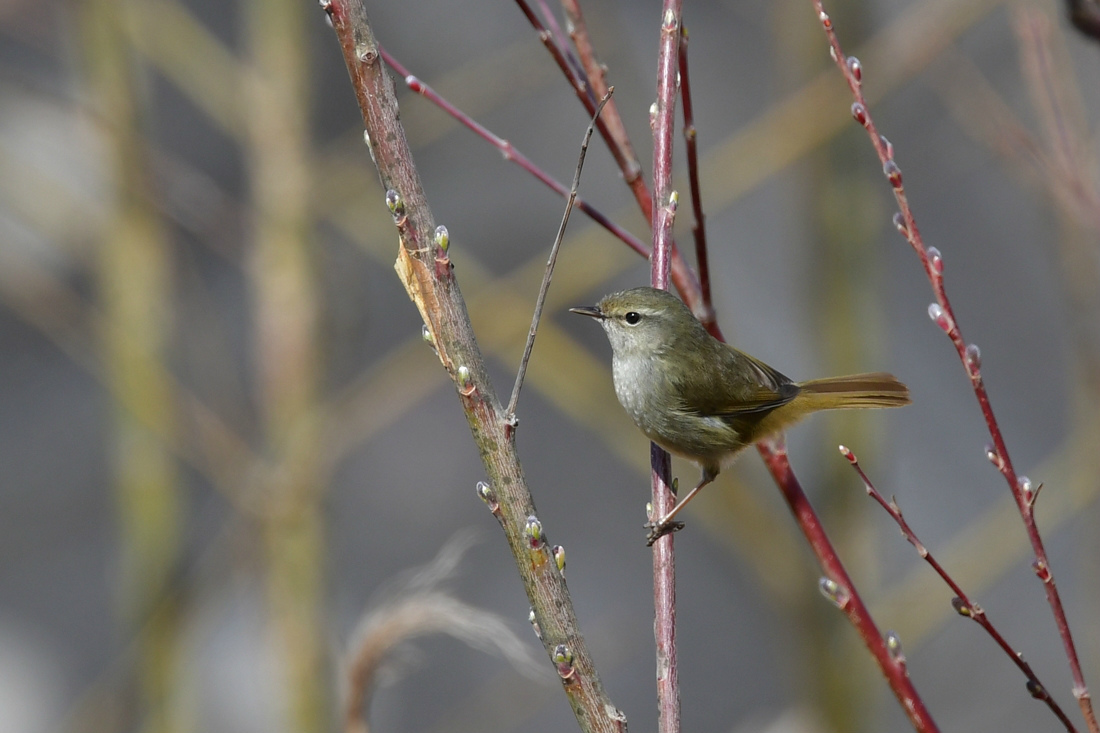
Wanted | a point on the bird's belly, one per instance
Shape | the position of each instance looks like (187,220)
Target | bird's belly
(709,441)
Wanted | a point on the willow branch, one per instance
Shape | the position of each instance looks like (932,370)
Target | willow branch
(837,586)
(943,315)
(426,272)
(698,225)
(682,276)
(662,119)
(962,603)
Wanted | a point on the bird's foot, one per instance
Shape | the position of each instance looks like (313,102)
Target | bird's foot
(657,530)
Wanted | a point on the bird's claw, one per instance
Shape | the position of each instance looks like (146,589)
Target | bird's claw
(657,530)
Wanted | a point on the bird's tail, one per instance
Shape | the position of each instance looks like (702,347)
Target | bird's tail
(855,391)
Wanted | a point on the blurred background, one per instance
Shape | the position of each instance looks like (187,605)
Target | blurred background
(223,439)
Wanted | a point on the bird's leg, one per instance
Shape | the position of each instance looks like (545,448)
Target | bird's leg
(666,524)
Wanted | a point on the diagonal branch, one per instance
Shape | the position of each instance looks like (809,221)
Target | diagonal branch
(426,273)
(683,277)
(837,586)
(510,412)
(943,316)
(962,603)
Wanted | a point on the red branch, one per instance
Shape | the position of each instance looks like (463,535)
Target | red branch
(664,216)
(706,314)
(837,586)
(682,275)
(944,316)
(777,463)
(961,602)
(512,154)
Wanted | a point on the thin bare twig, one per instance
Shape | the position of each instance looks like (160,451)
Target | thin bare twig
(510,412)
(706,313)
(942,314)
(962,603)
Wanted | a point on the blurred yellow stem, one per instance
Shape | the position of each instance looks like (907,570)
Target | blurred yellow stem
(134,274)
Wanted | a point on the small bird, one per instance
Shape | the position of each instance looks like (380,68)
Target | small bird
(704,400)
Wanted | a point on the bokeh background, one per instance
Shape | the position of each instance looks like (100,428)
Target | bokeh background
(223,439)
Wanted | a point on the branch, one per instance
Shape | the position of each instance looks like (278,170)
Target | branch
(837,586)
(961,602)
(425,271)
(943,315)
(513,154)
(544,287)
(698,226)
(662,119)
(686,282)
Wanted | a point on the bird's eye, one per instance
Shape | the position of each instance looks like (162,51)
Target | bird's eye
(632,317)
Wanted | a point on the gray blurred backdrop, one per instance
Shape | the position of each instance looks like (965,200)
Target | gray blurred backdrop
(223,439)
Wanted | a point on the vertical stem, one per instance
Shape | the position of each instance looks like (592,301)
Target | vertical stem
(663,122)
(705,310)
(134,273)
(285,306)
(664,214)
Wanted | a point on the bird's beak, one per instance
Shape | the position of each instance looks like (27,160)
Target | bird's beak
(588,310)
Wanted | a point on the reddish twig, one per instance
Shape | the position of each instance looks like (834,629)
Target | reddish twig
(838,588)
(597,78)
(560,41)
(630,167)
(662,120)
(682,276)
(698,227)
(942,314)
(962,603)
(513,155)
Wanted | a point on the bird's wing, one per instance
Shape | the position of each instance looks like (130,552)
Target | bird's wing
(743,385)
